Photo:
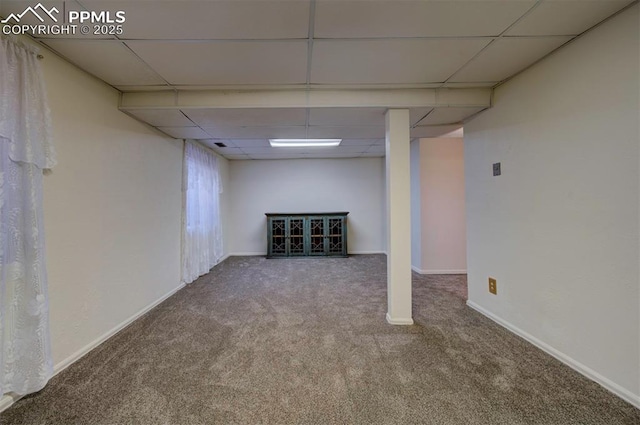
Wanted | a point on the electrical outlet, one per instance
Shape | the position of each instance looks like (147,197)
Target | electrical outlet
(493,286)
(496,169)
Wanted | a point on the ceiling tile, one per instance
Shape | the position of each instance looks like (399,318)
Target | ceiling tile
(437,131)
(227,151)
(232,62)
(390,61)
(507,56)
(248,143)
(376,149)
(35,16)
(277,156)
(346,132)
(334,155)
(347,116)
(355,19)
(562,17)
(416,114)
(454,85)
(273,151)
(127,88)
(281,132)
(212,143)
(352,149)
(185,132)
(108,60)
(237,157)
(220,19)
(360,142)
(247,117)
(229,143)
(441,116)
(346,150)
(161,117)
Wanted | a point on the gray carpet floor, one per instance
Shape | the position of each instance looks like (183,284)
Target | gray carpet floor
(305,341)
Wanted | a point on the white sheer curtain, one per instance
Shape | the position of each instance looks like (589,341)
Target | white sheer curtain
(201,229)
(25,152)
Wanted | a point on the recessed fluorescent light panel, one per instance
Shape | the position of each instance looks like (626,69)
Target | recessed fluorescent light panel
(304,143)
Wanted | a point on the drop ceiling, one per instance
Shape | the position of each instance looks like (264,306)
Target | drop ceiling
(315,45)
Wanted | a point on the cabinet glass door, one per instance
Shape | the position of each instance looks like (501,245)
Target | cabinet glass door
(302,234)
(335,235)
(278,229)
(316,236)
(296,236)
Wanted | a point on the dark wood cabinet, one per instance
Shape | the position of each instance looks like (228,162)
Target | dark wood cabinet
(307,234)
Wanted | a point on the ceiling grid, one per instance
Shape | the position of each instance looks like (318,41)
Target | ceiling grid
(330,51)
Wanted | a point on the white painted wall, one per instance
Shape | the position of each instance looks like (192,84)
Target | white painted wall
(559,229)
(442,211)
(225,204)
(416,203)
(306,185)
(112,210)
(383,203)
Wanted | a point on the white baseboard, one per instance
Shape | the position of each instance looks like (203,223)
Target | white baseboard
(8,400)
(224,257)
(366,252)
(621,392)
(399,320)
(420,271)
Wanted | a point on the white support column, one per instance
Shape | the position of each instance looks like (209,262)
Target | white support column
(398,185)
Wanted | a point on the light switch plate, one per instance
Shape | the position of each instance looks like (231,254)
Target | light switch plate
(496,169)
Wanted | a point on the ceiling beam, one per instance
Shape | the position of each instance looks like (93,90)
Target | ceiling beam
(385,98)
